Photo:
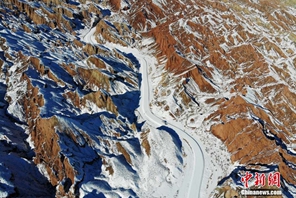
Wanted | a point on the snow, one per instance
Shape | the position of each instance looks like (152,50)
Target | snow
(6,187)
(194,169)
(191,176)
(159,3)
(205,159)
(216,157)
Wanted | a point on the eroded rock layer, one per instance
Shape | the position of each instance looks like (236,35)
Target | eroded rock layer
(73,96)
(226,68)
(241,57)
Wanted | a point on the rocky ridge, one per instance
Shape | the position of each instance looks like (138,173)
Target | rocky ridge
(75,102)
(226,71)
(235,61)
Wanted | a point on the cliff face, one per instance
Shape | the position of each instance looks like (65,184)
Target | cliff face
(226,70)
(236,61)
(73,95)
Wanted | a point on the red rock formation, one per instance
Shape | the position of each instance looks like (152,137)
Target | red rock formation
(225,41)
(244,61)
(116,4)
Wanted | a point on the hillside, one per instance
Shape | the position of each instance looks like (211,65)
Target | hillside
(78,119)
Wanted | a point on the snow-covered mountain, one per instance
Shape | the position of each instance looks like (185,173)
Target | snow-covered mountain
(158,98)
(70,107)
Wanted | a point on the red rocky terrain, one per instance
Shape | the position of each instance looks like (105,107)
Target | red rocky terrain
(226,70)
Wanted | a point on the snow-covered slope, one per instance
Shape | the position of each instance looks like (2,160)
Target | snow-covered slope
(75,95)
(126,98)
(233,65)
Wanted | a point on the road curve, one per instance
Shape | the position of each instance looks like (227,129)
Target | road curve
(192,181)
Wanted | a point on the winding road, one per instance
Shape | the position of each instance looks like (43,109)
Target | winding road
(192,181)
